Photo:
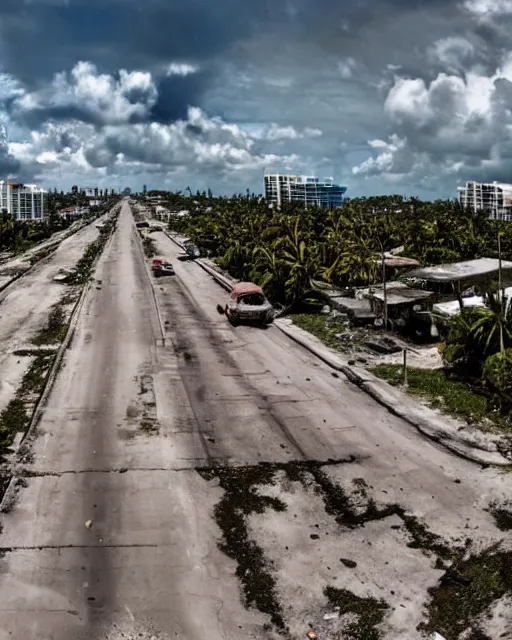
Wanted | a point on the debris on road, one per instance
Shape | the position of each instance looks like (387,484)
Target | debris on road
(348,563)
(333,615)
(88,524)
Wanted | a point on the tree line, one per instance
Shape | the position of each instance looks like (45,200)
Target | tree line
(292,250)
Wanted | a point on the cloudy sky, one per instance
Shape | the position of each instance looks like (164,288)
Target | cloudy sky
(386,96)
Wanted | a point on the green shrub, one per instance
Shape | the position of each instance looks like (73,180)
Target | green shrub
(474,335)
(462,350)
(497,376)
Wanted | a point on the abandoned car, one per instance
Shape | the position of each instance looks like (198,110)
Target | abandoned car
(247,303)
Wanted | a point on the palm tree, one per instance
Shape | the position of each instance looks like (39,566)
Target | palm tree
(493,325)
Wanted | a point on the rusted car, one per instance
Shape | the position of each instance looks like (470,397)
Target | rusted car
(165,269)
(162,267)
(247,303)
(155,264)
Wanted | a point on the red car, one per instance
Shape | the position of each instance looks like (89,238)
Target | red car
(155,264)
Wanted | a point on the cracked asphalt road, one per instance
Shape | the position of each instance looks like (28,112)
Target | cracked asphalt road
(129,422)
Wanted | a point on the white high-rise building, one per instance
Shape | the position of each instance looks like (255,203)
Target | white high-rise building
(23,201)
(495,197)
(308,190)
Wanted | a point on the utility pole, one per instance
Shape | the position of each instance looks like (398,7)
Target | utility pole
(500,291)
(384,286)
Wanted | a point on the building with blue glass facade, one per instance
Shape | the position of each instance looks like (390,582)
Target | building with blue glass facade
(308,190)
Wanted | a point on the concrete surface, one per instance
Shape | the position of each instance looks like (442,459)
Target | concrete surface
(26,304)
(149,566)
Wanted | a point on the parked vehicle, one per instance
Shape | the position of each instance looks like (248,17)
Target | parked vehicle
(142,225)
(162,267)
(155,264)
(191,251)
(165,269)
(247,303)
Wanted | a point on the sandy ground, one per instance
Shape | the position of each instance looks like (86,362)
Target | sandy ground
(423,357)
(26,304)
(131,422)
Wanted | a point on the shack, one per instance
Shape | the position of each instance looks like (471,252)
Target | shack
(481,274)
(404,304)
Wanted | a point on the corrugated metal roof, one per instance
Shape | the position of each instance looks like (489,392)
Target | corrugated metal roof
(460,270)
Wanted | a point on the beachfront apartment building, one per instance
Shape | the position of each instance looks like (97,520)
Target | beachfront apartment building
(308,190)
(23,201)
(495,197)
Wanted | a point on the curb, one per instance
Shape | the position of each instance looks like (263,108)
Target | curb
(468,444)
(50,380)
(153,291)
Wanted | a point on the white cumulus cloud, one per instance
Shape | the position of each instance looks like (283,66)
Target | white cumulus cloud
(86,94)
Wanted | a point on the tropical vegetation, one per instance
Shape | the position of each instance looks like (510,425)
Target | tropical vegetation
(292,250)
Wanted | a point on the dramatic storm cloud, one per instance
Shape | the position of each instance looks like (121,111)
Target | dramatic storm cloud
(385,96)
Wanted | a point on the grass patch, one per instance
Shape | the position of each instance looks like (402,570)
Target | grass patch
(325,327)
(55,329)
(443,392)
(148,244)
(15,418)
(369,611)
(502,516)
(33,353)
(150,428)
(240,500)
(85,266)
(459,601)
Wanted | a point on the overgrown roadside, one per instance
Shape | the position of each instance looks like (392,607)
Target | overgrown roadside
(447,393)
(470,583)
(16,418)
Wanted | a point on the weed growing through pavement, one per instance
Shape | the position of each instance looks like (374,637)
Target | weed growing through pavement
(471,586)
(502,514)
(466,592)
(241,500)
(55,329)
(368,613)
(148,244)
(15,418)
(149,428)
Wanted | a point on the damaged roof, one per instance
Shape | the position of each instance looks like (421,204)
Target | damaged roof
(460,270)
(400,293)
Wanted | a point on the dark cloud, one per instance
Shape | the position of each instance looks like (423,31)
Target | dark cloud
(177,93)
(8,164)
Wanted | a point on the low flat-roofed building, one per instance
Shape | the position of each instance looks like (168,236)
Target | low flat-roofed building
(467,272)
